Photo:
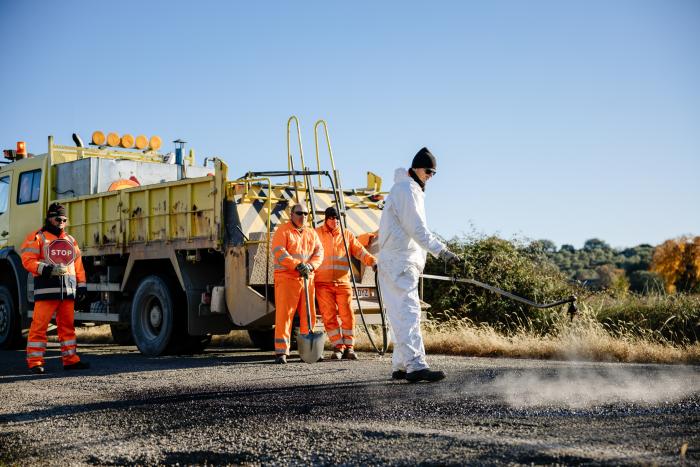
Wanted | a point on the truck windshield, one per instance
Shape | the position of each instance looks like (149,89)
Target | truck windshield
(4,193)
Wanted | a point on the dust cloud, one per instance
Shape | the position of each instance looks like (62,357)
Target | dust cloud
(581,387)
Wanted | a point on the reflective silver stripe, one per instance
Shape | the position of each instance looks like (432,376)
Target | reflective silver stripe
(36,344)
(280,268)
(30,250)
(70,342)
(300,256)
(363,254)
(82,284)
(276,249)
(333,332)
(337,258)
(347,332)
(65,353)
(40,268)
(282,256)
(336,267)
(347,341)
(35,354)
(49,290)
(281,341)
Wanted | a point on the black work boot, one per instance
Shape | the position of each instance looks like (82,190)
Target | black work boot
(425,374)
(77,366)
(281,359)
(349,354)
(37,370)
(398,374)
(337,353)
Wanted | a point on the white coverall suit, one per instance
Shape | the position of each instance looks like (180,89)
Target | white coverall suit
(404,239)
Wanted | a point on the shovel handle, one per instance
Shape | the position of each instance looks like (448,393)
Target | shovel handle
(308,305)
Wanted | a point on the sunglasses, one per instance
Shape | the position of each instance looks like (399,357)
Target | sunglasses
(430,171)
(61,219)
(301,213)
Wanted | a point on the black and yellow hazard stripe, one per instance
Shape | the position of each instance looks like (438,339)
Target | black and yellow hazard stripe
(363,214)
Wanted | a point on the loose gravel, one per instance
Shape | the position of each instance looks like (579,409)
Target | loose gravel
(233,406)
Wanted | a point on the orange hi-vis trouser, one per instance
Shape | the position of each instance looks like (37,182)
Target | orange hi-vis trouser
(289,299)
(44,310)
(334,300)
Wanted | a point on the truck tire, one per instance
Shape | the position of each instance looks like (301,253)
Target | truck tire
(263,339)
(153,321)
(10,322)
(121,334)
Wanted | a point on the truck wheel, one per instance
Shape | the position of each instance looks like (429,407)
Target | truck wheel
(152,316)
(264,339)
(121,334)
(10,322)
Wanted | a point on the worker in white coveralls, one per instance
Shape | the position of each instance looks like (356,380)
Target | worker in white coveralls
(404,239)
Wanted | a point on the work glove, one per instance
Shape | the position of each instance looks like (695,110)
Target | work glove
(450,257)
(59,270)
(81,294)
(47,270)
(304,269)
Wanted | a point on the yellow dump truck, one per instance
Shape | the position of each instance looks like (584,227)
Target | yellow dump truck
(173,252)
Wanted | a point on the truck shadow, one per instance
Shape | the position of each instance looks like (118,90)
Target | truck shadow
(109,359)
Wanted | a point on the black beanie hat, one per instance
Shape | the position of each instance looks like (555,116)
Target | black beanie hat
(331,212)
(56,209)
(424,159)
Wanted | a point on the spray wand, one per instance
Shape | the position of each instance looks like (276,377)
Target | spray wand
(571,300)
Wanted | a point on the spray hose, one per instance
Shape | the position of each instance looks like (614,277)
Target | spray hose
(571,300)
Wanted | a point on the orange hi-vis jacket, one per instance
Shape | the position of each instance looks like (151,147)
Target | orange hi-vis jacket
(35,251)
(335,266)
(292,246)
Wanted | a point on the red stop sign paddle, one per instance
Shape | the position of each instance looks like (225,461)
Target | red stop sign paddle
(60,251)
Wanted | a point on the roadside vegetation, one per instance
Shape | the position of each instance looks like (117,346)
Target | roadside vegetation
(655,323)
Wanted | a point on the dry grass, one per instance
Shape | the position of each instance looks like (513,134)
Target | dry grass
(584,339)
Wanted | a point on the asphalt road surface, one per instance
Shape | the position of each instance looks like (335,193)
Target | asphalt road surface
(233,406)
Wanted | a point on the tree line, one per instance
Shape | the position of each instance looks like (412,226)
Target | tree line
(673,266)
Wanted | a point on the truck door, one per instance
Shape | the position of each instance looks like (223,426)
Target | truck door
(4,209)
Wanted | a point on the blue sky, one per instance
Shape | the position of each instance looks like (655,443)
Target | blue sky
(549,119)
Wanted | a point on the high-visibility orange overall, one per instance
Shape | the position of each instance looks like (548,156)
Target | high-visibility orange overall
(333,287)
(54,296)
(290,247)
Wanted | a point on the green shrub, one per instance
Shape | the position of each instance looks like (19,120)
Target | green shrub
(674,318)
(514,266)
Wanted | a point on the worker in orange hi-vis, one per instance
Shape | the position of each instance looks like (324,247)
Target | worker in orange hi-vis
(366,238)
(53,258)
(297,252)
(332,284)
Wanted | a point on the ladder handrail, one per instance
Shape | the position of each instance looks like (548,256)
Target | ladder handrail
(328,142)
(338,189)
(290,162)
